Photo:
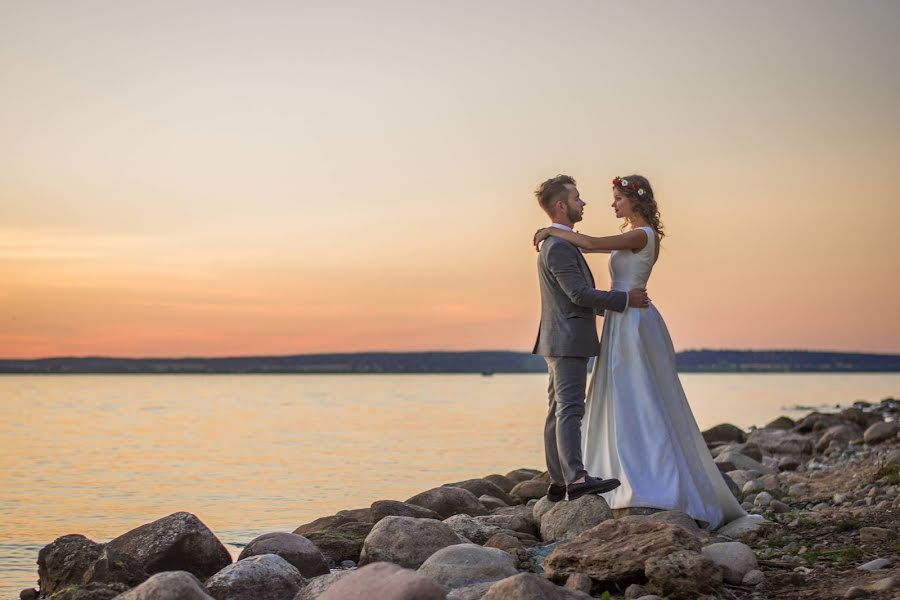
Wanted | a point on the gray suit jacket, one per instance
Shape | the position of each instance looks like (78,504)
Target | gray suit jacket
(569,302)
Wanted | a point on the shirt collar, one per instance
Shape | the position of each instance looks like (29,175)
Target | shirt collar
(561,226)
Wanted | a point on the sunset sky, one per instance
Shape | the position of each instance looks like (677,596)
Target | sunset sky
(279,177)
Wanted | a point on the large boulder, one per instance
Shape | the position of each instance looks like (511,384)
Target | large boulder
(341,543)
(357,514)
(614,552)
(384,581)
(295,549)
(263,577)
(407,541)
(528,586)
(842,434)
(567,520)
(178,542)
(880,432)
(393,508)
(733,558)
(316,586)
(74,560)
(463,565)
(774,441)
(859,417)
(483,487)
(683,575)
(65,561)
(168,585)
(449,501)
(724,432)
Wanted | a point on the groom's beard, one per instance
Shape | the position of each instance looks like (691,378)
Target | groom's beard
(573,214)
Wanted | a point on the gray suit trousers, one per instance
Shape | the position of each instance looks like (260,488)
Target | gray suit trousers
(562,430)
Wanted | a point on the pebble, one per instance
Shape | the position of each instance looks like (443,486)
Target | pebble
(874,565)
(873,535)
(855,592)
(883,585)
(754,577)
(779,507)
(763,499)
(821,506)
(347,564)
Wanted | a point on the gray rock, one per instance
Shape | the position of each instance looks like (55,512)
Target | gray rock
(323,524)
(406,541)
(742,476)
(363,515)
(724,433)
(384,581)
(741,526)
(763,499)
(753,577)
(773,441)
(504,541)
(472,530)
(449,501)
(753,486)
(467,564)
(393,508)
(295,549)
(483,487)
(730,461)
(490,502)
(340,543)
(168,585)
(880,432)
(528,586)
(316,586)
(520,475)
(567,520)
(735,490)
(541,508)
(262,577)
(683,575)
(91,591)
(780,423)
(530,490)
(470,592)
(734,558)
(501,481)
(875,565)
(74,560)
(683,520)
(64,562)
(178,542)
(842,434)
(779,507)
(789,463)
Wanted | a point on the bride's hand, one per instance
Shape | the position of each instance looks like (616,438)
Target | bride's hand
(539,236)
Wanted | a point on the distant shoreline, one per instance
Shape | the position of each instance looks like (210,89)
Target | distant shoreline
(482,362)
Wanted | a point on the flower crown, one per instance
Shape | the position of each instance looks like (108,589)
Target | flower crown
(634,186)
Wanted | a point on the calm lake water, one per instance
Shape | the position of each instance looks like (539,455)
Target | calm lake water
(249,454)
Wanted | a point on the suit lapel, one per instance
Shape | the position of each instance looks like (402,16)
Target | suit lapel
(586,269)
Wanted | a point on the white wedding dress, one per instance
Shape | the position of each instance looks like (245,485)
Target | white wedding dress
(638,426)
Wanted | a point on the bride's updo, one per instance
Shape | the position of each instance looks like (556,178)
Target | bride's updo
(638,190)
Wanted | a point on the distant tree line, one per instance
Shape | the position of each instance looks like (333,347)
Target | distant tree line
(717,361)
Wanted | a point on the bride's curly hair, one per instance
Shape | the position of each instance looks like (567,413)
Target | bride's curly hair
(642,203)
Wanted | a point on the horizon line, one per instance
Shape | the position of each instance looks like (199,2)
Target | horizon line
(409,352)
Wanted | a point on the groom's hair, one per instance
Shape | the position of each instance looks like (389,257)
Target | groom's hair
(552,190)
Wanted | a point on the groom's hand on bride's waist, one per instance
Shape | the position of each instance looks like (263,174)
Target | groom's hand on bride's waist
(637,298)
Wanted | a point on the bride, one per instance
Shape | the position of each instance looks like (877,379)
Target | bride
(638,426)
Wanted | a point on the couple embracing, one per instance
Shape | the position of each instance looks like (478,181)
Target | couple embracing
(635,427)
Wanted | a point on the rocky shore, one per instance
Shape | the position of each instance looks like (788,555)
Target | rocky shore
(821,493)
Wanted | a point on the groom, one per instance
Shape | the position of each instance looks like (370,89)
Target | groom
(567,337)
